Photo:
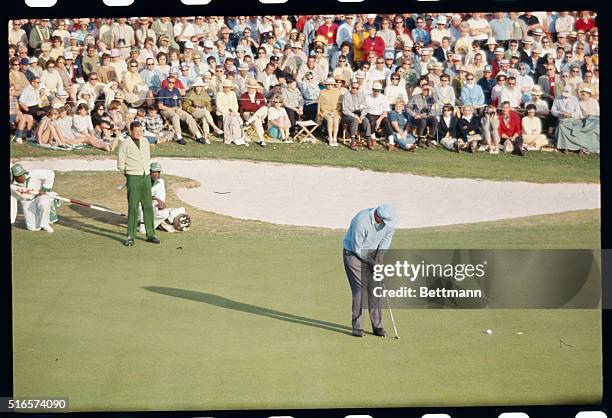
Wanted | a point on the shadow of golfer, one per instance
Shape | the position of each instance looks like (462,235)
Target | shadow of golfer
(226,303)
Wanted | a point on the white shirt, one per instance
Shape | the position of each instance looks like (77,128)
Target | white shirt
(30,96)
(511,95)
(479,24)
(376,105)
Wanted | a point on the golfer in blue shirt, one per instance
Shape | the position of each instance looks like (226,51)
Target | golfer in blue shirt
(365,242)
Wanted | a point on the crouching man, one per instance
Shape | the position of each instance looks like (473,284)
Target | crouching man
(164,218)
(32,189)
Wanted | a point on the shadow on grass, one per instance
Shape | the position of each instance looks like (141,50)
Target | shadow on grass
(226,303)
(114,220)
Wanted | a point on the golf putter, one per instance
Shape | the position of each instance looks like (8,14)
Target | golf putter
(397,337)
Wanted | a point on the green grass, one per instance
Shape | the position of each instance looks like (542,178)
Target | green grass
(244,314)
(537,167)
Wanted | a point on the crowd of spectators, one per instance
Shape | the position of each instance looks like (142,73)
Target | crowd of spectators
(463,81)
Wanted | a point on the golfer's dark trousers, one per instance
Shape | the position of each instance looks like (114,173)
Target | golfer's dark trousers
(422,124)
(385,125)
(359,276)
(139,192)
(353,125)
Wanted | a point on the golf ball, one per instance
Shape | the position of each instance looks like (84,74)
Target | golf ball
(489,331)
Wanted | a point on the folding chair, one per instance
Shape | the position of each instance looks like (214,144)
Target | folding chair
(306,132)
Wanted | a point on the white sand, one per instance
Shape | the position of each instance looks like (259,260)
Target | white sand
(329,197)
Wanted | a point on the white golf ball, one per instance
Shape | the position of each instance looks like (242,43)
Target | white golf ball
(489,331)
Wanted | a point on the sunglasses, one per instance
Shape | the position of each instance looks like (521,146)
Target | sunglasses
(133,66)
(94,79)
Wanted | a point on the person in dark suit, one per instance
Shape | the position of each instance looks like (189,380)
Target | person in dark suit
(468,128)
(443,53)
(447,129)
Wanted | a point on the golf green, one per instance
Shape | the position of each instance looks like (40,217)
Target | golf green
(242,314)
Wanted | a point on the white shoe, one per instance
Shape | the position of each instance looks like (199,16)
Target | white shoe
(142,229)
(335,144)
(47,229)
(482,148)
(288,141)
(263,144)
(19,141)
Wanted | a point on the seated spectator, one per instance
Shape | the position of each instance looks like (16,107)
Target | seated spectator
(81,123)
(353,113)
(47,133)
(490,129)
(253,109)
(401,128)
(293,102)
(153,125)
(420,109)
(278,118)
(23,123)
(468,128)
(169,101)
(533,138)
(510,130)
(511,93)
(394,91)
(588,105)
(444,93)
(197,103)
(66,135)
(471,93)
(102,122)
(136,90)
(118,118)
(329,107)
(228,116)
(376,110)
(33,100)
(447,130)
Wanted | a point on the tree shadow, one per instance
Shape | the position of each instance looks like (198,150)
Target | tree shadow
(226,303)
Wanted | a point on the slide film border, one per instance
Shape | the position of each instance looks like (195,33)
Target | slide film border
(111,8)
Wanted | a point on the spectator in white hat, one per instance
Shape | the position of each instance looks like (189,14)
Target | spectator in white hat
(566,106)
(439,31)
(376,110)
(330,104)
(588,105)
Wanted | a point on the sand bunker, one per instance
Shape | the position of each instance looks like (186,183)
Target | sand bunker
(329,197)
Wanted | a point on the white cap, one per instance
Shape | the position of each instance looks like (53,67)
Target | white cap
(33,60)
(441,20)
(188,45)
(208,44)
(371,16)
(68,55)
(377,86)
(198,82)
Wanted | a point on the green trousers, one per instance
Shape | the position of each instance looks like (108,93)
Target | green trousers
(139,192)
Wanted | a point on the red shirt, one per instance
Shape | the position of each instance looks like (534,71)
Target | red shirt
(375,44)
(246,105)
(328,32)
(177,83)
(585,26)
(512,128)
(551,85)
(299,25)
